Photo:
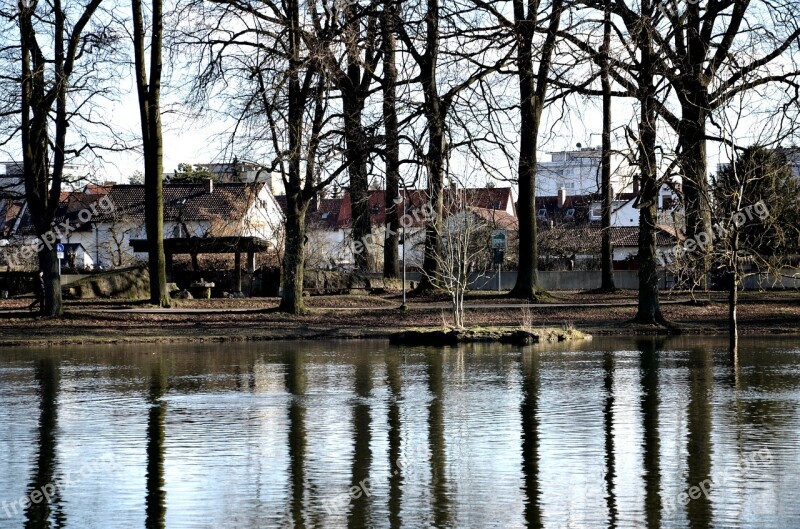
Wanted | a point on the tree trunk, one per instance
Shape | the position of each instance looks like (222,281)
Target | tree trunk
(48,263)
(352,90)
(391,259)
(43,187)
(153,146)
(733,297)
(435,192)
(532,91)
(607,252)
(294,257)
(435,112)
(692,89)
(527,285)
(692,155)
(154,224)
(649,311)
(298,193)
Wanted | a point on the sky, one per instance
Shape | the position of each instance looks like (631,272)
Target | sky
(196,141)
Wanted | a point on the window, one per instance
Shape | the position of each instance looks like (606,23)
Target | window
(542,214)
(570,213)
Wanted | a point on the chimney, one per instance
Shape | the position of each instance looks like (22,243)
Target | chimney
(562,197)
(209,184)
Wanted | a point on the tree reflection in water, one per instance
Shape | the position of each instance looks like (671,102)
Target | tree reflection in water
(45,514)
(156,499)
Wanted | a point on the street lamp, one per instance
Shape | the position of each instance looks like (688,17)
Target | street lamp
(401,200)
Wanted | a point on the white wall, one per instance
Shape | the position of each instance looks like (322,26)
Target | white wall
(109,243)
(264,219)
(579,173)
(624,213)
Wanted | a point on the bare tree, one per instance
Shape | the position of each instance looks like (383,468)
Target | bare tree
(274,73)
(713,51)
(39,97)
(358,29)
(424,42)
(391,258)
(606,250)
(533,86)
(640,77)
(149,91)
(462,249)
(641,29)
(746,231)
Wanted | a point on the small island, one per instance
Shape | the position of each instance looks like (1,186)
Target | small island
(442,336)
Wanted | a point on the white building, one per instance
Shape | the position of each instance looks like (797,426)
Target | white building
(578,172)
(331,243)
(240,172)
(100,221)
(625,213)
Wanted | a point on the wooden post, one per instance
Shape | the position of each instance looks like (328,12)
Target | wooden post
(238,267)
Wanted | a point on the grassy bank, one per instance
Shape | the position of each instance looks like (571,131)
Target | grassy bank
(345,317)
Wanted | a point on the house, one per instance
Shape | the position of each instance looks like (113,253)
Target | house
(580,246)
(104,220)
(76,257)
(578,172)
(625,213)
(579,209)
(330,243)
(239,172)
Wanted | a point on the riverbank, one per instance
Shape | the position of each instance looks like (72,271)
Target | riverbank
(378,316)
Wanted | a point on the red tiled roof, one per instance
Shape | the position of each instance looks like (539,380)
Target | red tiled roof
(71,203)
(587,239)
(497,218)
(97,189)
(339,210)
(190,202)
(327,213)
(11,211)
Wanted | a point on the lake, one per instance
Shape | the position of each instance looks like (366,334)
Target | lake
(609,433)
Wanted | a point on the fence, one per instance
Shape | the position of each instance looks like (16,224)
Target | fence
(625,279)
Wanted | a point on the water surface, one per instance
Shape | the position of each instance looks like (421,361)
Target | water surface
(613,433)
